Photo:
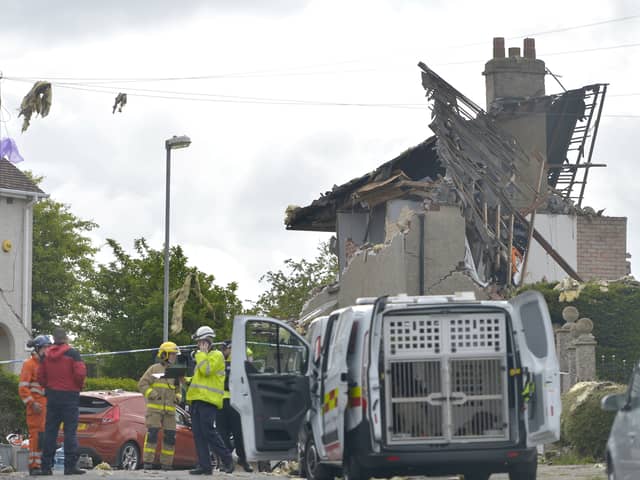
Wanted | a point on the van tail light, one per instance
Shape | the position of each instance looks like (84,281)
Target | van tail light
(112,415)
(393,458)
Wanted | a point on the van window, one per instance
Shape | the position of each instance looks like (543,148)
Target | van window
(634,390)
(534,330)
(330,332)
(274,349)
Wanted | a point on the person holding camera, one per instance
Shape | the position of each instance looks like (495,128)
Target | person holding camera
(205,394)
(32,395)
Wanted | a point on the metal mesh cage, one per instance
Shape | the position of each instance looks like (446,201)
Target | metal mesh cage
(476,333)
(413,335)
(445,378)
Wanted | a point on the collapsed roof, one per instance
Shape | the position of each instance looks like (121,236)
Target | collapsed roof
(570,116)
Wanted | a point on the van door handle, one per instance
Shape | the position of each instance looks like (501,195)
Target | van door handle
(343,377)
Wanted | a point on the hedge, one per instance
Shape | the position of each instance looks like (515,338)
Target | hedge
(105,383)
(614,309)
(584,425)
(12,411)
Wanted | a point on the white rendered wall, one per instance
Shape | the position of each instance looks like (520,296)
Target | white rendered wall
(561,232)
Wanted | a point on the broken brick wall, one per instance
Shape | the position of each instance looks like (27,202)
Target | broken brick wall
(602,247)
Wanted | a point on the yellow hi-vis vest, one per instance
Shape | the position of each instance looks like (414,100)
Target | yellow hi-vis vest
(207,383)
(161,394)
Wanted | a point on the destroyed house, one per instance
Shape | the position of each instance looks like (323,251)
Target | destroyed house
(493,199)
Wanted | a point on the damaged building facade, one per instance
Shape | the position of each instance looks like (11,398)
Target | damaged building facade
(492,200)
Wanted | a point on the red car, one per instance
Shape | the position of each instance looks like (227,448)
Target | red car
(111,429)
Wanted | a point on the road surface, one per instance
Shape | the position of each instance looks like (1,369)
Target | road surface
(545,472)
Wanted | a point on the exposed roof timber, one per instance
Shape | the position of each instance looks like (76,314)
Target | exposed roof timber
(320,215)
(480,159)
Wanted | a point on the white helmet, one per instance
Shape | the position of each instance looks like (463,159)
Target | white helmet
(204,333)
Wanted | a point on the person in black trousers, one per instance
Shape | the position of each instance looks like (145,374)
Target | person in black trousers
(62,374)
(228,422)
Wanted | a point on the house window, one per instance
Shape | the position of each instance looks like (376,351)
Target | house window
(9,200)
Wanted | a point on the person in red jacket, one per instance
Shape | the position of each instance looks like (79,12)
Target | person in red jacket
(62,374)
(32,394)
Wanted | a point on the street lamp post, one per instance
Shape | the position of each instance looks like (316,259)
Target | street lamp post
(172,143)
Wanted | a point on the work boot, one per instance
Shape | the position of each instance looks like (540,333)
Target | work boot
(227,467)
(244,464)
(147,466)
(166,467)
(74,471)
(46,471)
(199,471)
(35,471)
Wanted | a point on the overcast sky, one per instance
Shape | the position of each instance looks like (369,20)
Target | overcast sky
(250,158)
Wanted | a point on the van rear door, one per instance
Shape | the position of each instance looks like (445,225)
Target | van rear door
(269,386)
(541,374)
(335,386)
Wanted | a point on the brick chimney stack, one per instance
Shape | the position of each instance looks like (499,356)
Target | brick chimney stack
(515,76)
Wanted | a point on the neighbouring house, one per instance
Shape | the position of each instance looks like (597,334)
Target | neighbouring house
(491,197)
(18,194)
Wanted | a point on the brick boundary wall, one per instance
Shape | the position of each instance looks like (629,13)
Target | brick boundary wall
(602,247)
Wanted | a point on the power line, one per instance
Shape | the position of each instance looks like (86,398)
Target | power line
(577,27)
(289,72)
(253,100)
(278,101)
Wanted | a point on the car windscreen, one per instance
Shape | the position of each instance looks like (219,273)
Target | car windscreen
(89,405)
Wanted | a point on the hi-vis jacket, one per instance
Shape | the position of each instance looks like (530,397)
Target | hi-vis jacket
(207,383)
(29,389)
(161,393)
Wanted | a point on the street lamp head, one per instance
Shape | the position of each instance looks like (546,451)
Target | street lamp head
(174,142)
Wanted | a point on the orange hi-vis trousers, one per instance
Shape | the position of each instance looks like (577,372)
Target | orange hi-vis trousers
(35,423)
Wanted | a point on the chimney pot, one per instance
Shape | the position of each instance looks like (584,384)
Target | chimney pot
(514,52)
(498,47)
(530,48)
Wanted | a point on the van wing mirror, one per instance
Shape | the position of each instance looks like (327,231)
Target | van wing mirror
(613,403)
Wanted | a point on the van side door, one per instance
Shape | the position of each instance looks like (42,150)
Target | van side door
(269,386)
(534,339)
(335,386)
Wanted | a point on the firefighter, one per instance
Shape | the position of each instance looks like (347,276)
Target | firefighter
(205,394)
(162,395)
(32,394)
(229,423)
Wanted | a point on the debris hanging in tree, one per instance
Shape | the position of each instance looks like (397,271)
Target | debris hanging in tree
(180,297)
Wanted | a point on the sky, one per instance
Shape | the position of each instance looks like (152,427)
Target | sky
(282,99)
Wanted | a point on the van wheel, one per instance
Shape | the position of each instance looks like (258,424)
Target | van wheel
(129,456)
(524,471)
(311,466)
(352,470)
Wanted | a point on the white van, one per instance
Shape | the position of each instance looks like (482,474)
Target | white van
(426,385)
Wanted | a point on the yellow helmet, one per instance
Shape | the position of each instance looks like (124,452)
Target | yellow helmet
(166,348)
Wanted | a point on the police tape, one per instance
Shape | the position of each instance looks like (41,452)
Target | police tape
(187,348)
(118,352)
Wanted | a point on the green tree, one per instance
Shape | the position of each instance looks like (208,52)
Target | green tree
(62,264)
(126,307)
(290,288)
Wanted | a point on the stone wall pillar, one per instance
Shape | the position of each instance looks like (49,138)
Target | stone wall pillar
(571,359)
(563,340)
(563,337)
(585,351)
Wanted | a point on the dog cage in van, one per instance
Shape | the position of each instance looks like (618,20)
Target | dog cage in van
(445,377)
